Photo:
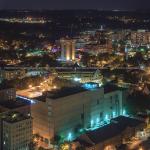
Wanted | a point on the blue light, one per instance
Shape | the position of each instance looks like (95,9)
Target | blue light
(69,136)
(26,99)
(90,86)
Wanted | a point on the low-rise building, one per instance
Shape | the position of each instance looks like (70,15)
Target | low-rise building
(110,136)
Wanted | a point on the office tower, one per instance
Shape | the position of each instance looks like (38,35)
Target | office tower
(67,49)
(15,121)
(16,130)
(140,37)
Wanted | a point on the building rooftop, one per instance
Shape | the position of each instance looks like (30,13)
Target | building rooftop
(11,69)
(4,86)
(78,70)
(116,127)
(66,91)
(104,133)
(14,117)
(12,104)
(111,88)
(127,121)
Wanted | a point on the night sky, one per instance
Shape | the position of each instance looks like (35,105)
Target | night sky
(75,4)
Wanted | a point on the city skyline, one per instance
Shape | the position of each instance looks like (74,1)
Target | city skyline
(74,75)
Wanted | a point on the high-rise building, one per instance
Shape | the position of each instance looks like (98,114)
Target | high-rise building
(16,131)
(67,49)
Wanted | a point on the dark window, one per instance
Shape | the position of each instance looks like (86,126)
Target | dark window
(97,102)
(82,116)
(101,115)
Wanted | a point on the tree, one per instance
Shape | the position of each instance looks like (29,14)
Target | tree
(80,148)
(56,139)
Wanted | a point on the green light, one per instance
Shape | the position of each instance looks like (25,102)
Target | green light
(106,117)
(124,112)
(81,130)
(97,120)
(142,49)
(114,114)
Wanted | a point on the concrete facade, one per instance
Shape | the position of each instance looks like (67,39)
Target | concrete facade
(62,114)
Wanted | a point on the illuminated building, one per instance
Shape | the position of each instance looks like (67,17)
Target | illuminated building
(140,37)
(80,75)
(64,109)
(9,74)
(7,93)
(111,136)
(67,49)
(126,52)
(100,42)
(13,124)
(16,131)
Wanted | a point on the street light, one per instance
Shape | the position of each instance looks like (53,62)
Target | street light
(55,87)
(141,148)
(30,86)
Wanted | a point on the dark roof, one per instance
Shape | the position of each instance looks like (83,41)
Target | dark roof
(116,127)
(41,98)
(82,142)
(10,69)
(5,86)
(104,133)
(12,104)
(111,88)
(66,91)
(127,121)
(13,117)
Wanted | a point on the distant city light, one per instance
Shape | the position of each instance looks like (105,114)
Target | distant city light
(55,87)
(89,86)
(30,86)
(77,79)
